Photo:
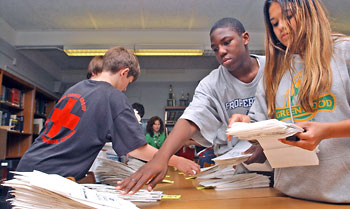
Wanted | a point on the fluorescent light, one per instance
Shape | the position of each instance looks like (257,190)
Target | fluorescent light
(85,52)
(168,52)
(138,52)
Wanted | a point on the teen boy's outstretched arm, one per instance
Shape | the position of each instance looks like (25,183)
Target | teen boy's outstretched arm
(155,170)
(182,164)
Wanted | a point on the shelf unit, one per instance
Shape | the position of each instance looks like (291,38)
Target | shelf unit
(43,105)
(171,115)
(18,142)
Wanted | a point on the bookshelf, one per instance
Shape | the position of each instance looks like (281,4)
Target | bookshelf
(16,103)
(43,105)
(171,115)
(17,106)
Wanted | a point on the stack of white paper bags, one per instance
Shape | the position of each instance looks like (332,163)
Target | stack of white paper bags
(222,176)
(110,171)
(141,196)
(267,133)
(238,181)
(227,178)
(215,172)
(263,129)
(37,190)
(234,156)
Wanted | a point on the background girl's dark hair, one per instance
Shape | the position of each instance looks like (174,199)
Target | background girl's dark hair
(150,122)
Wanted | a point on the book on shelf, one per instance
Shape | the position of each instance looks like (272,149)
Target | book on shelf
(40,106)
(5,94)
(2,93)
(178,115)
(12,96)
(16,97)
(171,117)
(6,118)
(16,122)
(38,125)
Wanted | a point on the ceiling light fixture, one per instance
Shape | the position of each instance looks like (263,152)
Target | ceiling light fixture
(168,52)
(85,52)
(72,51)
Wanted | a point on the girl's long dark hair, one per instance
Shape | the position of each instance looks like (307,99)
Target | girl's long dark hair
(150,122)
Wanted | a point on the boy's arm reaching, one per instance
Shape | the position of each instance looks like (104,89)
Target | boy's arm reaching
(154,171)
(184,165)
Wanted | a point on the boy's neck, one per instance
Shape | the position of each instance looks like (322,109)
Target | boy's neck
(107,77)
(248,70)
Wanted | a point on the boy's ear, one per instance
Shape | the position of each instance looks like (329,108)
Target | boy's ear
(124,71)
(246,38)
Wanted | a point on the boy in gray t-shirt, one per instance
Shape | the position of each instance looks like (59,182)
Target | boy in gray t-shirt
(217,97)
(228,89)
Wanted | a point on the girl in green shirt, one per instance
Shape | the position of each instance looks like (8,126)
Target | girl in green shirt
(155,135)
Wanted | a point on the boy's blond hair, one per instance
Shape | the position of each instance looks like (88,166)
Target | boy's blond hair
(118,58)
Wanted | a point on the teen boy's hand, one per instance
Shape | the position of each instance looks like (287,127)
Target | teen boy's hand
(258,155)
(237,118)
(154,172)
(151,173)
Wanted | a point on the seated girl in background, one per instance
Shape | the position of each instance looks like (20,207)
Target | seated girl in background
(155,135)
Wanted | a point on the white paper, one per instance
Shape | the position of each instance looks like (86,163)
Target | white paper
(110,171)
(141,196)
(234,156)
(267,133)
(216,171)
(238,181)
(41,191)
(263,129)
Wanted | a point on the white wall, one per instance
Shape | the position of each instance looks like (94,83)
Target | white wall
(24,68)
(154,95)
(152,88)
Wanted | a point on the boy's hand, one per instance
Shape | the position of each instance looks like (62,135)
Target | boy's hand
(154,172)
(151,173)
(237,118)
(188,167)
(258,155)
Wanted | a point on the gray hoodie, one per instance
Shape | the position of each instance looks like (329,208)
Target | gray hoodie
(330,180)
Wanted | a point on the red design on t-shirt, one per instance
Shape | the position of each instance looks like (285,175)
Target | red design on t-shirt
(63,118)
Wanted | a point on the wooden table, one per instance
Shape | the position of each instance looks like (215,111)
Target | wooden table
(261,198)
